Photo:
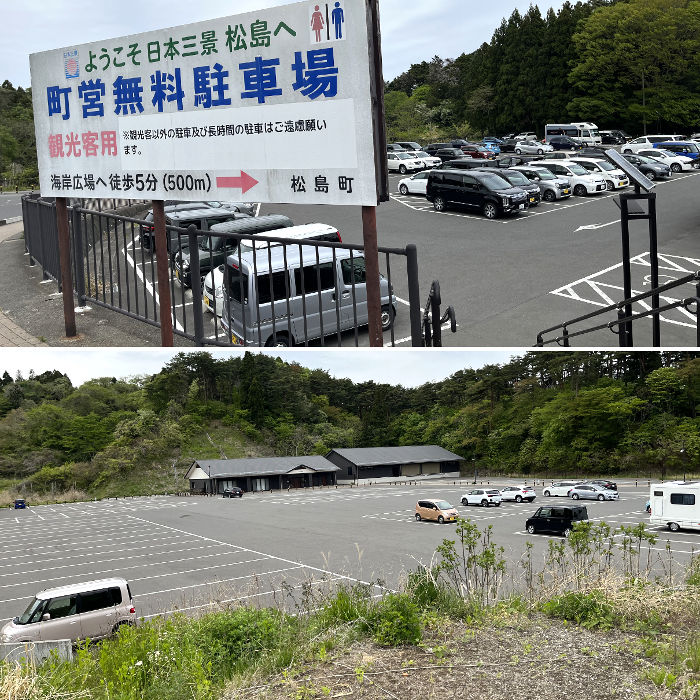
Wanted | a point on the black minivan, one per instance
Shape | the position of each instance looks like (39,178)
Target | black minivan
(559,519)
(485,191)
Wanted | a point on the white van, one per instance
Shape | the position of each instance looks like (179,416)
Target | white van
(294,293)
(676,505)
(645,142)
(91,610)
(213,286)
(581,180)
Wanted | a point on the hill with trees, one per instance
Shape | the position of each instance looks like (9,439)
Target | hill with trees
(540,414)
(619,63)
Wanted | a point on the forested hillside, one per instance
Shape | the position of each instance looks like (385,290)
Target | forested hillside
(618,63)
(18,163)
(542,413)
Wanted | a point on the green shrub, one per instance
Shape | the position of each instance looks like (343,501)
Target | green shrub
(348,605)
(585,609)
(395,620)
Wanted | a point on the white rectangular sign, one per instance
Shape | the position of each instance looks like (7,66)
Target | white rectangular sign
(268,106)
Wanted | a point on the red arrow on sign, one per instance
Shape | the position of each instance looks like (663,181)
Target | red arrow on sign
(244,182)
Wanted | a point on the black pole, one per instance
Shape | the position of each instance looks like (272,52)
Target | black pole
(654,256)
(626,269)
(196,286)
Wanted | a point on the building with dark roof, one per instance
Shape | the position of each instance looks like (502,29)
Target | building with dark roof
(387,462)
(260,473)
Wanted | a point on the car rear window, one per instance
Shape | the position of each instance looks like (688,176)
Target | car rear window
(95,600)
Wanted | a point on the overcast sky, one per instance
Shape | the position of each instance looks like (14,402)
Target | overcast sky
(406,367)
(411,31)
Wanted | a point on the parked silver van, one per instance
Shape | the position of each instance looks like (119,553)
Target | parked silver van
(289,294)
(91,610)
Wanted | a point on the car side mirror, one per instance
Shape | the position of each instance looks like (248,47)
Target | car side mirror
(45,617)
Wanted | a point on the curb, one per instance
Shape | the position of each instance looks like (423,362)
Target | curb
(13,220)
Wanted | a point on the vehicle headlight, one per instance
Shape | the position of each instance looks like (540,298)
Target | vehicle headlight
(185,264)
(219,292)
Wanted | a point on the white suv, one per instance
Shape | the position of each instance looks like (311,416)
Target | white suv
(404,162)
(615,178)
(482,497)
(582,181)
(559,488)
(644,142)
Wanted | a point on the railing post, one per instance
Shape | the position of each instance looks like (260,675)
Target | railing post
(64,255)
(196,286)
(414,309)
(78,255)
(160,239)
(435,302)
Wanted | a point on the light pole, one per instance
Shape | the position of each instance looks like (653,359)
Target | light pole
(683,461)
(474,465)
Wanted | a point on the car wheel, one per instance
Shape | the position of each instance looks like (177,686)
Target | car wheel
(628,151)
(279,340)
(601,497)
(118,626)
(518,499)
(580,190)
(575,496)
(546,493)
(402,169)
(567,532)
(403,189)
(439,204)
(490,210)
(387,317)
(540,152)
(484,504)
(549,196)
(417,517)
(531,529)
(465,502)
(498,505)
(674,527)
(609,186)
(651,175)
(676,168)
(517,151)
(441,520)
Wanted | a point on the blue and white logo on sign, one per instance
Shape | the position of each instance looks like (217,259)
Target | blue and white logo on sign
(71,64)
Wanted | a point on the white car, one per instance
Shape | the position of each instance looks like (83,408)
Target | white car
(615,179)
(213,291)
(673,160)
(428,160)
(518,494)
(559,488)
(533,148)
(416,184)
(403,163)
(582,181)
(482,497)
(646,142)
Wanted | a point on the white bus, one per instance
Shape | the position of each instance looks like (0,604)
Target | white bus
(586,132)
(676,505)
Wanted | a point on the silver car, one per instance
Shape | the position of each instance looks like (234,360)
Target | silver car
(532,148)
(551,186)
(593,492)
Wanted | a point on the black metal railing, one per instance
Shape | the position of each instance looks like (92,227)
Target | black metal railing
(433,320)
(622,324)
(114,268)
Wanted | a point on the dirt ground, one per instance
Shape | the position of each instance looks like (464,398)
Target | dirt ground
(526,659)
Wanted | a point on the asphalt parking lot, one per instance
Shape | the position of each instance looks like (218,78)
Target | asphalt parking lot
(268,548)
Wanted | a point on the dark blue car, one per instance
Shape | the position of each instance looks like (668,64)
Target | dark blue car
(20,503)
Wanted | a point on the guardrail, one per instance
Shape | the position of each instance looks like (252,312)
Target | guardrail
(622,324)
(433,320)
(111,268)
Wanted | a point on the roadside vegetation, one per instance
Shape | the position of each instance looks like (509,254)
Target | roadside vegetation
(542,414)
(603,600)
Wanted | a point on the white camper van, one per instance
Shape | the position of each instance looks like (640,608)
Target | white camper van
(676,505)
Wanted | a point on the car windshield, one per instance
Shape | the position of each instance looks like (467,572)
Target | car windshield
(422,154)
(577,169)
(404,156)
(517,178)
(32,613)
(493,492)
(495,182)
(646,159)
(544,174)
(604,165)
(443,505)
(664,152)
